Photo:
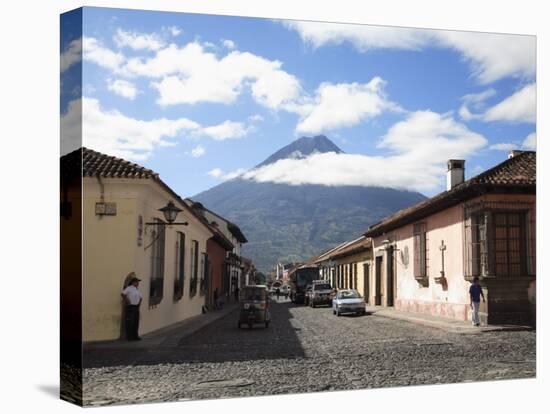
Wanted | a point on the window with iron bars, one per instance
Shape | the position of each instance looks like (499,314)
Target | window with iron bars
(157,265)
(179,276)
(194,267)
(420,254)
(499,240)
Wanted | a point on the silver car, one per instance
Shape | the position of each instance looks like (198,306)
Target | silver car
(348,301)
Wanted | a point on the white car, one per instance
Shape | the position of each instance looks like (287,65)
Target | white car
(348,301)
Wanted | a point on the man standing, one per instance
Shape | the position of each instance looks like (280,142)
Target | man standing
(475,293)
(132,299)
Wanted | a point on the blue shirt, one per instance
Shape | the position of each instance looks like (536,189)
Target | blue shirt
(475,292)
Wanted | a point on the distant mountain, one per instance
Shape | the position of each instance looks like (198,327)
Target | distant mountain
(303,147)
(289,223)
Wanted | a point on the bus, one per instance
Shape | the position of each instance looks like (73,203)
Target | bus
(299,280)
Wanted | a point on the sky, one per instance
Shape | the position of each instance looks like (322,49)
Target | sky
(202,98)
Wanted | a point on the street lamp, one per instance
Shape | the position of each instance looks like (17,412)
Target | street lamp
(170,212)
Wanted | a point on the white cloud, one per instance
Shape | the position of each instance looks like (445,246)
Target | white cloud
(218,173)
(477,100)
(418,148)
(503,146)
(343,105)
(138,41)
(123,88)
(94,51)
(174,30)
(491,56)
(229,44)
(519,107)
(71,55)
(530,143)
(234,174)
(198,151)
(225,130)
(190,74)
(116,134)
(362,37)
(255,118)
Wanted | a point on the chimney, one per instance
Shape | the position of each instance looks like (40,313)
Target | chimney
(513,153)
(455,173)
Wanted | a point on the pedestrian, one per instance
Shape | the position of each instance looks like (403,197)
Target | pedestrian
(132,299)
(216,305)
(278,292)
(236,293)
(475,294)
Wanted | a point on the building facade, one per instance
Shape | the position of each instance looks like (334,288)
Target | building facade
(348,266)
(233,277)
(425,257)
(125,235)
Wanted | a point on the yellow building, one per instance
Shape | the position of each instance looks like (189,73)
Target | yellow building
(124,235)
(348,266)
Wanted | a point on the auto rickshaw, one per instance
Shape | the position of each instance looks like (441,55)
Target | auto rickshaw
(253,306)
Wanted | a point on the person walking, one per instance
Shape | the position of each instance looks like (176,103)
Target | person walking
(475,294)
(216,299)
(278,292)
(236,293)
(132,299)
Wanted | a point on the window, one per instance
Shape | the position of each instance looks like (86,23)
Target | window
(496,242)
(420,252)
(157,265)
(509,246)
(194,267)
(204,273)
(179,277)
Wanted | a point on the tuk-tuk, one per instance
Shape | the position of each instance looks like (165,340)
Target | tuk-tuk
(253,306)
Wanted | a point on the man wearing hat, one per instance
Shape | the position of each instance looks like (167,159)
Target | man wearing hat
(132,300)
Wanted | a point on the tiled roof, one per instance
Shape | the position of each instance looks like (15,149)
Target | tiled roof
(85,162)
(515,175)
(346,249)
(95,163)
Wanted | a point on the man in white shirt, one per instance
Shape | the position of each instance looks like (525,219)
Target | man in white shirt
(132,299)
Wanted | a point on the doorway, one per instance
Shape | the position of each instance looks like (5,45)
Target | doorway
(366,282)
(378,281)
(390,270)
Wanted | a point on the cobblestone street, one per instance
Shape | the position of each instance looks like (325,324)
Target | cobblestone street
(303,350)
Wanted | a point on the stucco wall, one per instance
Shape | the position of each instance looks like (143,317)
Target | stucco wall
(450,299)
(111,253)
(446,300)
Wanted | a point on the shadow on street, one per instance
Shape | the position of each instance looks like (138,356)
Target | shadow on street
(220,341)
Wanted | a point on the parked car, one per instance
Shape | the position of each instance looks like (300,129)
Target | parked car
(348,301)
(307,295)
(320,293)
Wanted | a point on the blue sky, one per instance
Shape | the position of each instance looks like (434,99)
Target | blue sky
(203,98)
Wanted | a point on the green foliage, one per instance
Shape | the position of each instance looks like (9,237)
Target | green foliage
(288,223)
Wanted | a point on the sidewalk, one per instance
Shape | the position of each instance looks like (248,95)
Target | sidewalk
(446,324)
(168,336)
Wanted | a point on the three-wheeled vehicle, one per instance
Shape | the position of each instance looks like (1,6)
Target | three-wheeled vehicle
(253,306)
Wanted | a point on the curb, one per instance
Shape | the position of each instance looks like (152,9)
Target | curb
(451,326)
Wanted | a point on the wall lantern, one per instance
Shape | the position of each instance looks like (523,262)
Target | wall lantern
(170,212)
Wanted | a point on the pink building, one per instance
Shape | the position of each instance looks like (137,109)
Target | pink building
(425,256)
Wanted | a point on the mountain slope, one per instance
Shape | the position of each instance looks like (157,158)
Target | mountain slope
(292,223)
(303,147)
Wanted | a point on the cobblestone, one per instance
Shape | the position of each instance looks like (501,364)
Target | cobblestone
(304,350)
